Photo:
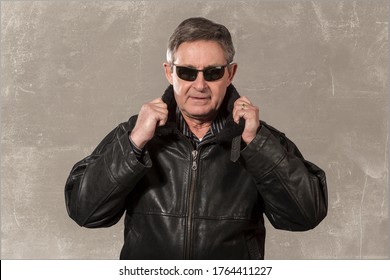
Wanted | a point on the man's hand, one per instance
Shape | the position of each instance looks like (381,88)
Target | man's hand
(243,108)
(151,115)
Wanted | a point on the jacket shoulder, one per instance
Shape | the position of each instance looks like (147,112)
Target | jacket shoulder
(272,129)
(129,125)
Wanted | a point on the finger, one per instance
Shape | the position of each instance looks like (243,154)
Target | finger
(162,114)
(157,100)
(245,100)
(158,110)
(247,112)
(154,105)
(162,121)
(242,101)
(240,108)
(238,113)
(242,104)
(159,103)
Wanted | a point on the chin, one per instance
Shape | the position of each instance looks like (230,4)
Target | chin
(202,115)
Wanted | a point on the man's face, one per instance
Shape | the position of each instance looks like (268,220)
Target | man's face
(199,99)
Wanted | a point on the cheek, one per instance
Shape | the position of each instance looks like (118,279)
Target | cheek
(180,91)
(219,94)
(180,88)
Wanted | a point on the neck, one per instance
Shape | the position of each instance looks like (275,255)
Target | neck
(198,127)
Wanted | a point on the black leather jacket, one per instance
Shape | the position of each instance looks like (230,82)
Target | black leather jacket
(205,203)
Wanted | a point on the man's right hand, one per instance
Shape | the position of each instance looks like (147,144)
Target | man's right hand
(151,115)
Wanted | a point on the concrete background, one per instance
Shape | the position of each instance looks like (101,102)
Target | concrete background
(71,71)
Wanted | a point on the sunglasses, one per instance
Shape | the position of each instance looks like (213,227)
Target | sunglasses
(209,73)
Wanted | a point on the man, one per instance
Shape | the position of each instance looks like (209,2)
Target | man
(196,169)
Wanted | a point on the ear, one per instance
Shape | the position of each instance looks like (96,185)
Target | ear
(232,71)
(168,72)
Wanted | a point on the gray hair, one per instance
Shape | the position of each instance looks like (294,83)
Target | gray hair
(198,28)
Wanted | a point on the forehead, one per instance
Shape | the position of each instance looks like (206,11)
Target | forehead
(200,53)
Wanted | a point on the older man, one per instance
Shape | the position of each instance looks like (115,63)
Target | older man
(196,170)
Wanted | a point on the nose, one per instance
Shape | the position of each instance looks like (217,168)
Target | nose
(200,83)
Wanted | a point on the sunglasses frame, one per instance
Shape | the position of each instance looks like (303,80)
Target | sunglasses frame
(222,67)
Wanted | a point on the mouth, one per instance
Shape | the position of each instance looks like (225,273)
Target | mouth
(197,100)
(199,97)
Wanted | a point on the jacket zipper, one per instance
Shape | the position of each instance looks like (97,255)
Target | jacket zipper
(190,205)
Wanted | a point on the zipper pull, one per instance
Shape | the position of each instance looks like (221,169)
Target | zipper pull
(194,157)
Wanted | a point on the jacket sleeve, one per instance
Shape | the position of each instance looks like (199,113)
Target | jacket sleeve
(97,187)
(294,191)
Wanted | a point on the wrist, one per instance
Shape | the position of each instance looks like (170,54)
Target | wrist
(138,142)
(248,137)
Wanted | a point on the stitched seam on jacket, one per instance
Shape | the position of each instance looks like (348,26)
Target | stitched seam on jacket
(109,141)
(157,214)
(272,168)
(221,218)
(99,204)
(109,193)
(197,217)
(125,159)
(97,152)
(291,196)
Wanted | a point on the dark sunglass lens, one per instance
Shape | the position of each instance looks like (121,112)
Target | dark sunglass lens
(190,74)
(186,73)
(213,74)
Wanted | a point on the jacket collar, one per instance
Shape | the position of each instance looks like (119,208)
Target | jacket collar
(231,129)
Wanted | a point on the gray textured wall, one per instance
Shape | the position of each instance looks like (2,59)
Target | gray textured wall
(71,71)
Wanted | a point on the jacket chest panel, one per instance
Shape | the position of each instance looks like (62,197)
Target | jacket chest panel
(174,187)
(224,190)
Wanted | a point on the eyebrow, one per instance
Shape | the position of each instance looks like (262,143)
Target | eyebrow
(208,66)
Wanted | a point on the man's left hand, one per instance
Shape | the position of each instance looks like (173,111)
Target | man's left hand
(243,108)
